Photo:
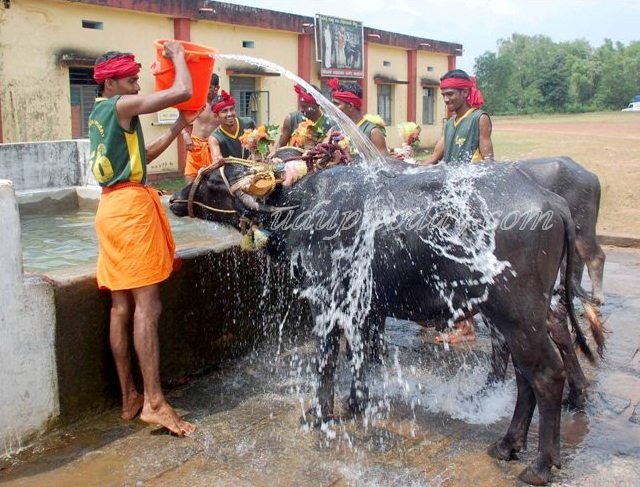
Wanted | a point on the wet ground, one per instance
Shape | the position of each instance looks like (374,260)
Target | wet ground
(429,427)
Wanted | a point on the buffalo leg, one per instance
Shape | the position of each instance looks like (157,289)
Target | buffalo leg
(328,350)
(499,356)
(540,379)
(359,394)
(373,337)
(546,377)
(547,386)
(516,438)
(596,272)
(578,384)
(593,256)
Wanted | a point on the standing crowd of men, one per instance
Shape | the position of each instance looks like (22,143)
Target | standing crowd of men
(136,248)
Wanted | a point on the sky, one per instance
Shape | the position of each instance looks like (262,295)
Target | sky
(479,24)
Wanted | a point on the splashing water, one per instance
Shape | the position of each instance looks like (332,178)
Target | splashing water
(468,238)
(346,125)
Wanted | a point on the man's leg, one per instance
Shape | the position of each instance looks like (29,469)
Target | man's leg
(120,321)
(462,332)
(156,410)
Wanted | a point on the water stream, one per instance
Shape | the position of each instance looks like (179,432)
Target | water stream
(363,145)
(342,295)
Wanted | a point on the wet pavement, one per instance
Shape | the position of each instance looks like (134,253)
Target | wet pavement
(428,426)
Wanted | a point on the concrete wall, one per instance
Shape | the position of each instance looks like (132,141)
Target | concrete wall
(28,382)
(217,306)
(55,360)
(397,70)
(35,94)
(431,67)
(278,46)
(37,165)
(34,80)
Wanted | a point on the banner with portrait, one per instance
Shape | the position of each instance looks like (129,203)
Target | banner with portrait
(339,47)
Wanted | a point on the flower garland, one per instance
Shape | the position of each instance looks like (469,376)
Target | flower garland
(258,141)
(410,133)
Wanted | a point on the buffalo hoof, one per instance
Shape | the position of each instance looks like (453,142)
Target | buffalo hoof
(376,352)
(576,401)
(501,452)
(533,477)
(358,401)
(314,420)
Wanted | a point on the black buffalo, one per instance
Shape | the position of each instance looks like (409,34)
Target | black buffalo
(419,271)
(581,190)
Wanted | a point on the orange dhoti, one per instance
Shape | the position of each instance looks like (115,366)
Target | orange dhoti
(134,235)
(198,157)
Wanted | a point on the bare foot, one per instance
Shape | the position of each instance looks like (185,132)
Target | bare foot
(463,332)
(166,416)
(131,405)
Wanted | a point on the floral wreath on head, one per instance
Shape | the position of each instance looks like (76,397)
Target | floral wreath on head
(410,133)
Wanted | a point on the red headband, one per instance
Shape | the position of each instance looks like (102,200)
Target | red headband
(117,67)
(345,96)
(475,98)
(227,101)
(303,96)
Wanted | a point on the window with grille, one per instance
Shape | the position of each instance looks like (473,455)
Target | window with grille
(428,105)
(250,102)
(385,103)
(83,95)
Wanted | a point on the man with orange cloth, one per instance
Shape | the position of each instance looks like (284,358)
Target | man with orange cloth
(196,142)
(136,246)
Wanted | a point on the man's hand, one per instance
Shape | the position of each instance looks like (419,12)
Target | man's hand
(187,117)
(217,162)
(188,142)
(172,50)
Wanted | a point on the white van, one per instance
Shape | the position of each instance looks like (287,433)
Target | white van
(633,107)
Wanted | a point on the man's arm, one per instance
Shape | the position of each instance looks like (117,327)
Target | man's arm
(214,149)
(438,153)
(129,106)
(286,132)
(377,137)
(157,147)
(486,146)
(186,138)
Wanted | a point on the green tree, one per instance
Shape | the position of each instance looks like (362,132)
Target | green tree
(531,74)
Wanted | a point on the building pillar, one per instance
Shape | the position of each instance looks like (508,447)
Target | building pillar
(412,77)
(304,56)
(182,32)
(365,80)
(1,140)
(451,63)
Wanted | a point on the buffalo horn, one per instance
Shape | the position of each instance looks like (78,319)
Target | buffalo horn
(253,204)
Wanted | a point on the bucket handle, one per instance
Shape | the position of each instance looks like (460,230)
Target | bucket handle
(156,71)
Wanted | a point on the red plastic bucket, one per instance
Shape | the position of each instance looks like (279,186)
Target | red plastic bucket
(200,62)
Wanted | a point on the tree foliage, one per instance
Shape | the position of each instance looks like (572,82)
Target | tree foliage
(533,74)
